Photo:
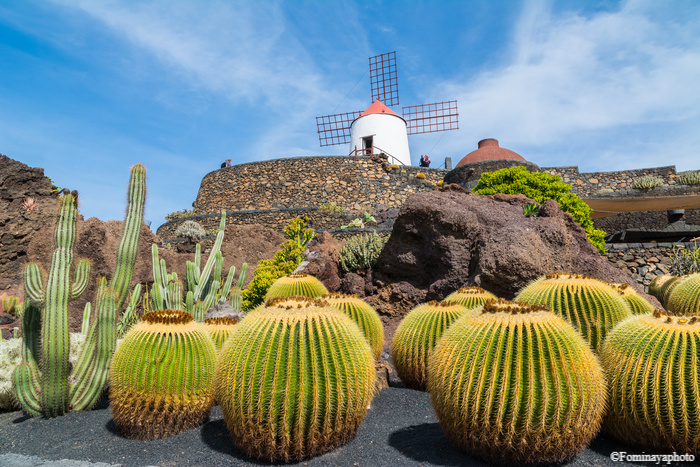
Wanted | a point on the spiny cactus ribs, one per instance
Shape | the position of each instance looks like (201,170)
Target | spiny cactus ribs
(654,384)
(296,284)
(638,304)
(470,297)
(220,329)
(294,380)
(162,376)
(416,336)
(364,315)
(501,382)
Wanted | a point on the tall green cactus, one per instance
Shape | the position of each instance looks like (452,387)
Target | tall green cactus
(515,384)
(203,287)
(590,305)
(162,376)
(415,337)
(654,384)
(42,382)
(299,284)
(294,380)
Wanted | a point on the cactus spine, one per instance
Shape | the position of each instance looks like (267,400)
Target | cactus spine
(684,298)
(470,297)
(654,384)
(294,380)
(162,376)
(365,317)
(661,287)
(638,304)
(294,285)
(516,384)
(220,329)
(590,305)
(415,337)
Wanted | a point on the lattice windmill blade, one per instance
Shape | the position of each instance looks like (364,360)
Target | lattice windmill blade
(430,118)
(335,129)
(382,76)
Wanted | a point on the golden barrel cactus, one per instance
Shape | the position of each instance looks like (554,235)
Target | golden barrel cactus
(638,304)
(294,380)
(162,376)
(220,329)
(364,315)
(470,297)
(415,337)
(684,298)
(652,365)
(296,285)
(592,306)
(661,287)
(516,384)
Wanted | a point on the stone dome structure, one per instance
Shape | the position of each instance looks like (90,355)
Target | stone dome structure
(489,150)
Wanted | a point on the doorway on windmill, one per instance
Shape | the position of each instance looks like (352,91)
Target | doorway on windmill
(367,143)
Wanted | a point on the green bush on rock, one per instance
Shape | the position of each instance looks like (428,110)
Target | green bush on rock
(541,187)
(361,252)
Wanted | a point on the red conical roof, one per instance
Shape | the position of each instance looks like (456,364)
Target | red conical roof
(489,150)
(378,108)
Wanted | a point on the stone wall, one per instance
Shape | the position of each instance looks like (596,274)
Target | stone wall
(644,261)
(273,192)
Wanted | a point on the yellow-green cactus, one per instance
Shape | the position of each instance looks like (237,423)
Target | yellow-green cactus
(294,380)
(364,315)
(638,304)
(162,376)
(470,297)
(590,305)
(661,287)
(415,337)
(220,329)
(684,298)
(516,384)
(654,383)
(296,285)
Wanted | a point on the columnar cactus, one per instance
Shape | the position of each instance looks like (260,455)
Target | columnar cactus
(516,384)
(638,304)
(653,381)
(661,287)
(415,337)
(294,380)
(220,329)
(470,297)
(162,376)
(364,315)
(296,285)
(590,305)
(684,298)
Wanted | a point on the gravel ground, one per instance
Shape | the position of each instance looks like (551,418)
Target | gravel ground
(401,429)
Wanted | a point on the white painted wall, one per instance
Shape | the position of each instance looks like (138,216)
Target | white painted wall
(388,132)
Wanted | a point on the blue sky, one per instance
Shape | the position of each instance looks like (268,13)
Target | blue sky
(89,88)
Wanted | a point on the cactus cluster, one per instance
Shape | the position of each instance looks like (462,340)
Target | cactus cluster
(590,305)
(653,381)
(646,182)
(415,337)
(162,376)
(516,384)
(470,297)
(691,177)
(364,315)
(638,304)
(191,230)
(294,380)
(299,284)
(361,252)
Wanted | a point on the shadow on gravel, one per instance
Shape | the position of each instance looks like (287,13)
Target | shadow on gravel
(112,428)
(427,443)
(22,418)
(216,436)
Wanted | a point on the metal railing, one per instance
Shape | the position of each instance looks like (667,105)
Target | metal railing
(370,151)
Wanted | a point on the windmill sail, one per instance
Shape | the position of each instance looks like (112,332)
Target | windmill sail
(335,129)
(382,76)
(430,118)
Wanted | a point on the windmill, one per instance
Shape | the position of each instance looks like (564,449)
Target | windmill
(379,129)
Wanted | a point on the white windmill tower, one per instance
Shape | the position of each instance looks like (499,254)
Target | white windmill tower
(379,129)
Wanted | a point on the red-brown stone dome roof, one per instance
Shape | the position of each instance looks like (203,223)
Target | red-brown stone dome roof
(489,150)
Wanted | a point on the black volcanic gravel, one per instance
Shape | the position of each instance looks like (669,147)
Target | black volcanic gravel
(400,429)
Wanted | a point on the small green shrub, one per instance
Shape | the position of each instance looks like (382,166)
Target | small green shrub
(54,188)
(331,207)
(361,252)
(360,223)
(284,262)
(190,230)
(646,182)
(531,209)
(179,214)
(540,187)
(691,177)
(606,191)
(685,261)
